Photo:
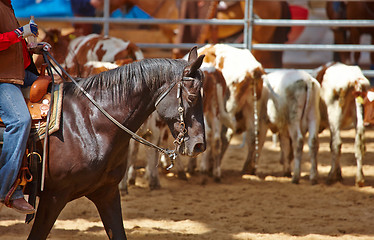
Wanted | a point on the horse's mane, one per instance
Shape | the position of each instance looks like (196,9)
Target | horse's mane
(122,81)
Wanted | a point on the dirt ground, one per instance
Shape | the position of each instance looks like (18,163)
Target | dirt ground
(238,208)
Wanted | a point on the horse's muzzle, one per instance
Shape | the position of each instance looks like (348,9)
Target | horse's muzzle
(193,148)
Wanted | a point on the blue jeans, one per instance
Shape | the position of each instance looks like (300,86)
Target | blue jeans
(17,119)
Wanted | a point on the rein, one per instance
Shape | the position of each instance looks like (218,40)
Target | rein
(172,154)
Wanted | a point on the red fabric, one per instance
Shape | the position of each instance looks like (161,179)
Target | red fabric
(299,13)
(9,38)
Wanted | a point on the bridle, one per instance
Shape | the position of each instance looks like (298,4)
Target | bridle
(182,131)
(172,154)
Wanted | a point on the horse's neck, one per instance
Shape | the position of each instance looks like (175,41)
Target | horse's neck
(141,106)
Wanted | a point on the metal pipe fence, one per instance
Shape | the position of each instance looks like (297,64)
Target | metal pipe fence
(248,21)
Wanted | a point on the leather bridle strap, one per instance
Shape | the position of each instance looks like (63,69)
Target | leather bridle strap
(170,88)
(182,131)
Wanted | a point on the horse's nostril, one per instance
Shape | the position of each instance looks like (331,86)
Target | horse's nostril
(199,148)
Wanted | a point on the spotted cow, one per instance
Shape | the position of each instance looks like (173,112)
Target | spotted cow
(73,52)
(293,110)
(342,90)
(215,93)
(244,110)
(369,108)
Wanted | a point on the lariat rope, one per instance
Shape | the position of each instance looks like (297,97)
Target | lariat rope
(172,154)
(255,115)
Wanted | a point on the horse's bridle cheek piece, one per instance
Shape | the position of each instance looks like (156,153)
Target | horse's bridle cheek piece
(182,130)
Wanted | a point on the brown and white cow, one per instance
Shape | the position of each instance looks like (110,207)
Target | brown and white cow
(293,110)
(245,106)
(217,133)
(73,52)
(342,91)
(369,108)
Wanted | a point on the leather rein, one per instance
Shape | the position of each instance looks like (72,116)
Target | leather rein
(172,154)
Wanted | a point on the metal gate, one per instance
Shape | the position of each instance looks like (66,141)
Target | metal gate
(247,22)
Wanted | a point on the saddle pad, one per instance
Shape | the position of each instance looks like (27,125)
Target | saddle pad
(38,127)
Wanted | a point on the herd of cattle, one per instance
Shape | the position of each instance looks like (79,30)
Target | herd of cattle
(239,97)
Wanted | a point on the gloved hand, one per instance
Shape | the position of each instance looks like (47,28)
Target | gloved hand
(27,30)
(40,48)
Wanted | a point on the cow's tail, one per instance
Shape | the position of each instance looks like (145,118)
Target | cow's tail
(272,94)
(308,103)
(225,117)
(312,86)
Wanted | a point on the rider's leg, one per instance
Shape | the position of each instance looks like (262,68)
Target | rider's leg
(16,117)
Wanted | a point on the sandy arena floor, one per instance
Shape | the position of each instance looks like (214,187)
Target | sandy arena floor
(238,208)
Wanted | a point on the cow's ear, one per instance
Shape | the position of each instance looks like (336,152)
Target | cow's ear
(192,68)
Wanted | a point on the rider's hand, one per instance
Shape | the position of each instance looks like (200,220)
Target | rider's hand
(40,48)
(30,29)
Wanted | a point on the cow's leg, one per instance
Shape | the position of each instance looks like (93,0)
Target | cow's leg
(313,151)
(286,151)
(297,148)
(249,166)
(216,149)
(192,164)
(108,202)
(335,115)
(313,122)
(152,169)
(216,156)
(359,143)
(221,145)
(50,206)
(130,175)
(205,163)
(253,153)
(206,159)
(179,166)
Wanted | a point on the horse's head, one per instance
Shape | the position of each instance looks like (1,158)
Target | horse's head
(181,106)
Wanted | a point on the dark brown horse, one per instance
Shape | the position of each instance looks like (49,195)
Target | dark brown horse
(86,157)
(354,10)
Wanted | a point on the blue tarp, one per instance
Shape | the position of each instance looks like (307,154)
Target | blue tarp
(134,12)
(42,8)
(62,8)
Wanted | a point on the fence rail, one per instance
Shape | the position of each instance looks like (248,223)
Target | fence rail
(248,21)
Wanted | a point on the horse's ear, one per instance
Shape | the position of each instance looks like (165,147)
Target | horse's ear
(192,68)
(192,55)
